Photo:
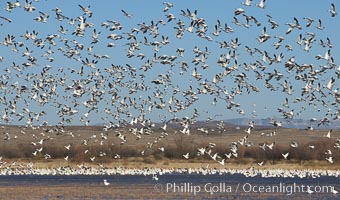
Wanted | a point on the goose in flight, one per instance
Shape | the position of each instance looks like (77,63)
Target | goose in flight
(270,146)
(334,191)
(186,156)
(273,24)
(319,25)
(309,191)
(294,144)
(330,159)
(263,146)
(28,6)
(86,10)
(261,4)
(332,10)
(106,183)
(309,21)
(228,156)
(328,152)
(285,156)
(238,11)
(42,18)
(221,161)
(68,147)
(10,6)
(293,25)
(248,131)
(264,36)
(214,157)
(168,5)
(126,14)
(276,123)
(93,158)
(201,151)
(6,19)
(328,135)
(331,83)
(155,177)
(247,3)
(161,149)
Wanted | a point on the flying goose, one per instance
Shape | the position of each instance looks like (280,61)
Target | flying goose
(261,4)
(106,183)
(285,156)
(168,5)
(126,14)
(330,159)
(247,3)
(186,156)
(332,10)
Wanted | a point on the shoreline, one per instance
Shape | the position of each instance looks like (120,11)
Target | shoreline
(128,167)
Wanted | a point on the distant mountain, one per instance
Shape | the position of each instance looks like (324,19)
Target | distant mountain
(295,123)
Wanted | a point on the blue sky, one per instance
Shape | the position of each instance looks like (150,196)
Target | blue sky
(264,103)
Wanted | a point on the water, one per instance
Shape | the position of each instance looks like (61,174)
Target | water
(190,186)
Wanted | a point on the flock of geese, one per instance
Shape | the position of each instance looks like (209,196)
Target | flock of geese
(83,169)
(74,74)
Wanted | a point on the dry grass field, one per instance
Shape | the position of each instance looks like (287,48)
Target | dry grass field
(19,144)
